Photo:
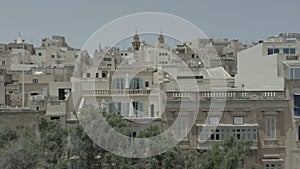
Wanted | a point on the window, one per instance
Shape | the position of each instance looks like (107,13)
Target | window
(52,56)
(76,56)
(35,80)
(97,75)
(10,92)
(120,108)
(270,51)
(55,118)
(238,120)
(152,110)
(297,105)
(271,165)
(295,73)
(289,50)
(298,133)
(214,120)
(292,51)
(220,133)
(271,127)
(62,93)
(136,83)
(3,62)
(276,50)
(103,74)
(88,75)
(146,84)
(181,127)
(40,54)
(138,109)
(107,59)
(118,83)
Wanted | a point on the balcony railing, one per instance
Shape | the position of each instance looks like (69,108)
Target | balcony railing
(116,92)
(230,95)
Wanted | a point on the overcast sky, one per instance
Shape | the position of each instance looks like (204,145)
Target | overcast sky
(77,20)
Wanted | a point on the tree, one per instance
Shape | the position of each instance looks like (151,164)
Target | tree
(230,154)
(21,149)
(53,141)
(84,148)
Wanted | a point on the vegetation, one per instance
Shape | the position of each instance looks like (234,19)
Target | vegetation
(53,147)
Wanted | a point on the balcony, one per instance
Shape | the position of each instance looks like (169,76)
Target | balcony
(229,95)
(210,134)
(116,92)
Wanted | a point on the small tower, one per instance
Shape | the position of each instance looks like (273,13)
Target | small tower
(136,44)
(161,38)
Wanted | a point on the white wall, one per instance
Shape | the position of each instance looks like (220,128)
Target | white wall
(258,71)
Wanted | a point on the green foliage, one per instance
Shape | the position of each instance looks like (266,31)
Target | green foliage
(52,141)
(230,154)
(22,152)
(7,135)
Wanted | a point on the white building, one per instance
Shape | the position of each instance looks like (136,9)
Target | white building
(260,67)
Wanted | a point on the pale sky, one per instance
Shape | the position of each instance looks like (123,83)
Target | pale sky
(77,20)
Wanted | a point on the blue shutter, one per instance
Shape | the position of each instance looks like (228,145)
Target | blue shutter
(141,109)
(141,83)
(112,108)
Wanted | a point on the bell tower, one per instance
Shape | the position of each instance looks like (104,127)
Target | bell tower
(136,44)
(161,38)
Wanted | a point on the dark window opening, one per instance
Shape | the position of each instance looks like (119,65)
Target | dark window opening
(35,80)
(152,110)
(62,93)
(146,84)
(55,118)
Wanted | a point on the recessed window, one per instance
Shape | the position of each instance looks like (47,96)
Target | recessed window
(276,50)
(298,133)
(55,118)
(270,51)
(88,75)
(35,80)
(292,51)
(271,128)
(297,105)
(146,84)
(103,74)
(182,127)
(97,75)
(52,56)
(107,59)
(238,120)
(40,54)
